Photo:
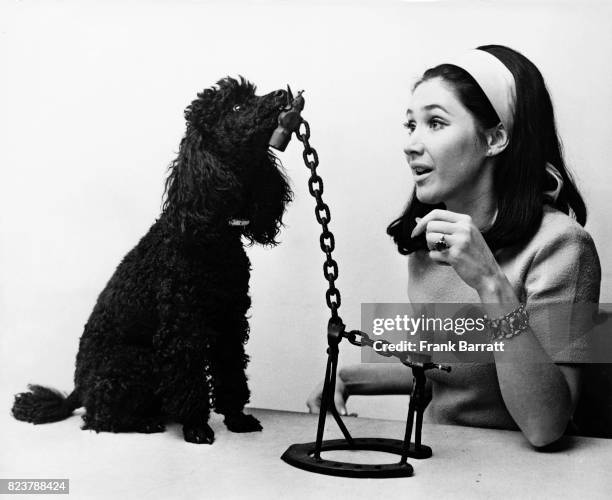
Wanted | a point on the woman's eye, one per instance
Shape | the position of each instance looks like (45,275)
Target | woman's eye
(436,124)
(237,107)
(410,126)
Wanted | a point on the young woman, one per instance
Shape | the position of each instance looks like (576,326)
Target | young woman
(496,219)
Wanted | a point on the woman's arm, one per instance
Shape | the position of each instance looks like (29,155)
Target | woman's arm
(364,379)
(540,395)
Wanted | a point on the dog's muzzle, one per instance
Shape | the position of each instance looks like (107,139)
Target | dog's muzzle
(288,121)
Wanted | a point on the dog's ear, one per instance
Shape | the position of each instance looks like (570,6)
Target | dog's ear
(200,191)
(269,194)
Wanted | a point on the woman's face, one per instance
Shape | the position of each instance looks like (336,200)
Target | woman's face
(443,150)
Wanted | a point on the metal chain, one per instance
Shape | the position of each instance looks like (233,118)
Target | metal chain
(326,240)
(402,356)
(330,266)
(323,215)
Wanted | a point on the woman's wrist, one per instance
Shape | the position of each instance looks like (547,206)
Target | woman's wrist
(497,291)
(375,378)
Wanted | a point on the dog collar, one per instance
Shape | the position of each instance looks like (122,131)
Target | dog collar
(238,222)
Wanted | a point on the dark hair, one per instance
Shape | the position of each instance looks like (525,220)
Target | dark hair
(519,178)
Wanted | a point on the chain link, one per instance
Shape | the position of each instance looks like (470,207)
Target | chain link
(328,242)
(315,186)
(368,342)
(323,215)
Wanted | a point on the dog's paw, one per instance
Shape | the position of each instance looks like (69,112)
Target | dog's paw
(151,427)
(239,422)
(199,434)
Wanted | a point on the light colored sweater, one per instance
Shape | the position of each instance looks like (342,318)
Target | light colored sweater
(559,265)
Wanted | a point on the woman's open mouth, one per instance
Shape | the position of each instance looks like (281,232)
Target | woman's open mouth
(421,172)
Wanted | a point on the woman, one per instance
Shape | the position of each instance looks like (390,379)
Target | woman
(494,218)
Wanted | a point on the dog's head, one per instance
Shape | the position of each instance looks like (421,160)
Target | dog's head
(234,122)
(224,169)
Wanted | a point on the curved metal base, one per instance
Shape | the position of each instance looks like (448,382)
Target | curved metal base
(302,456)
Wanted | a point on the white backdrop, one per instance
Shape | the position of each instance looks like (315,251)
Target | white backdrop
(91,113)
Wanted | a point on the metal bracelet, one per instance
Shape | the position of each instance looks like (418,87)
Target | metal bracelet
(510,325)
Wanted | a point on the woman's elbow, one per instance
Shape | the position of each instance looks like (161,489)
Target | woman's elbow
(540,437)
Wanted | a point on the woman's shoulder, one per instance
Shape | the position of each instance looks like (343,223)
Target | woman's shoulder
(561,261)
(559,231)
(561,256)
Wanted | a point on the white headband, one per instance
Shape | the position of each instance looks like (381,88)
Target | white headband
(494,78)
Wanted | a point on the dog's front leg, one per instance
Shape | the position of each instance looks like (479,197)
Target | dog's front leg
(228,364)
(185,389)
(185,385)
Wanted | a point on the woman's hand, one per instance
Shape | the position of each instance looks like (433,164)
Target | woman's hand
(466,249)
(364,379)
(341,395)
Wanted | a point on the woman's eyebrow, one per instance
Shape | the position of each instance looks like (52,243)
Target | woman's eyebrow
(433,106)
(429,107)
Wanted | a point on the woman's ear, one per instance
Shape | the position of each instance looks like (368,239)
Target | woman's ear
(497,140)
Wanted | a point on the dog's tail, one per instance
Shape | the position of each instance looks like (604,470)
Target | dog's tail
(43,405)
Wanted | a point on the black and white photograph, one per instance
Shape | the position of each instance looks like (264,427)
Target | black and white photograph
(305,249)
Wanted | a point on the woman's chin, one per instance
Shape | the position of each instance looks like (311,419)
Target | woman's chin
(428,197)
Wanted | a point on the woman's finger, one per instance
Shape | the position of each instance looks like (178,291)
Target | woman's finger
(340,403)
(313,406)
(437,214)
(433,239)
(439,257)
(438,226)
(314,400)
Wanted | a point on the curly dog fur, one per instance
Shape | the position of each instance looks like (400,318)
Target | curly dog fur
(165,341)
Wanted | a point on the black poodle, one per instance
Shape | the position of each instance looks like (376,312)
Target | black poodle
(165,341)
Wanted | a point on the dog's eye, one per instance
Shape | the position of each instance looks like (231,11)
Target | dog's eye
(237,107)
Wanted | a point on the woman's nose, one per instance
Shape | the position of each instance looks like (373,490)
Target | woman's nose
(414,146)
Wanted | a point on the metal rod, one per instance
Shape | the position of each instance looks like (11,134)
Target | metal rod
(419,403)
(334,410)
(323,408)
(409,424)
(419,428)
